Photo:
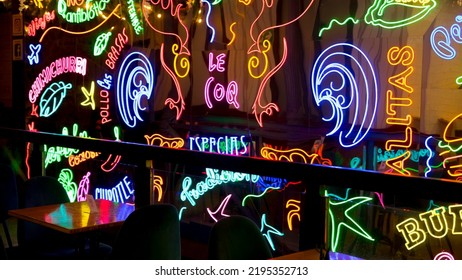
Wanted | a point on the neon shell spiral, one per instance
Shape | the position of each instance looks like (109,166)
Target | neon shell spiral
(346,89)
(135,81)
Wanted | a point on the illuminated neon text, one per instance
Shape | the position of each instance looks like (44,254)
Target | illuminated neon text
(83,156)
(70,64)
(229,145)
(435,224)
(54,154)
(219,91)
(40,23)
(415,155)
(214,178)
(134,17)
(405,57)
(120,193)
(113,55)
(92,10)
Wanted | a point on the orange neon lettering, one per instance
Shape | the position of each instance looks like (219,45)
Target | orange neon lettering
(400,80)
(396,144)
(406,102)
(397,163)
(400,121)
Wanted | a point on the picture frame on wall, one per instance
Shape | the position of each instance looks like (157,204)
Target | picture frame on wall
(17,49)
(17,25)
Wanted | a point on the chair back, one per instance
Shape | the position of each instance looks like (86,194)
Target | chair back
(8,191)
(149,233)
(3,255)
(237,238)
(39,191)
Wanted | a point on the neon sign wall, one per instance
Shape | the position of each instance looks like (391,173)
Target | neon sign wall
(250,67)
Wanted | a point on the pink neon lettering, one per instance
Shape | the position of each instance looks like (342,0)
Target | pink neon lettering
(69,64)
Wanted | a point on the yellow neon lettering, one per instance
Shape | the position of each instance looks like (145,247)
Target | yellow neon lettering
(400,121)
(406,143)
(435,221)
(456,212)
(397,163)
(406,102)
(400,80)
(411,232)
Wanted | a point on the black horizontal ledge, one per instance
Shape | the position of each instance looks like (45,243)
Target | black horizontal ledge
(312,174)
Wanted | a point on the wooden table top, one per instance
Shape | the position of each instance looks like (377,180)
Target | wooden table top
(76,217)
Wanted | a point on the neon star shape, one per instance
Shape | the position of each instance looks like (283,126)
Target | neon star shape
(220,209)
(350,223)
(89,96)
(267,230)
(34,56)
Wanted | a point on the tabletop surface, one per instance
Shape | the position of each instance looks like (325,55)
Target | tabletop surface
(76,217)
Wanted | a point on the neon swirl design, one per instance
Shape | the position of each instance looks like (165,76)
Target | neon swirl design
(86,31)
(112,161)
(157,184)
(254,61)
(207,20)
(257,195)
(174,12)
(266,6)
(444,256)
(294,212)
(376,14)
(245,2)
(267,230)
(162,141)
(446,134)
(135,82)
(432,154)
(178,104)
(325,69)
(220,209)
(31,127)
(180,213)
(331,23)
(442,48)
(289,155)
(184,62)
(232,32)
(268,109)
(52,98)
(34,56)
(451,163)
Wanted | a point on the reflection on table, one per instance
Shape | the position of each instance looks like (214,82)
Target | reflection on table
(76,217)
